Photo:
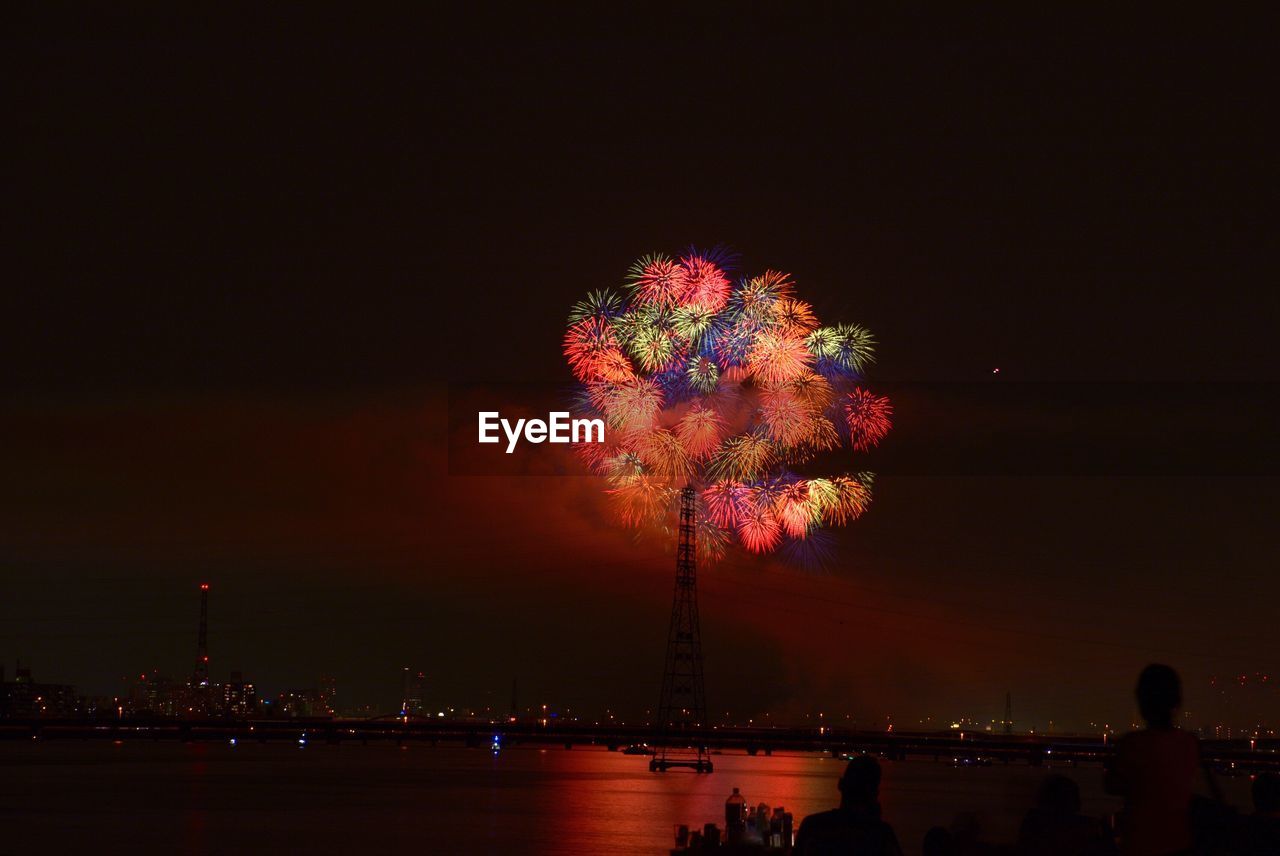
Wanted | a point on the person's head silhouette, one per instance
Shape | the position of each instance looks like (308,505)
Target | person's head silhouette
(860,784)
(1060,795)
(1159,693)
(937,842)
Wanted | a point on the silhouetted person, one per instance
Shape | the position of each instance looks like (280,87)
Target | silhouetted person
(1055,827)
(854,829)
(968,836)
(1154,770)
(1259,834)
(937,842)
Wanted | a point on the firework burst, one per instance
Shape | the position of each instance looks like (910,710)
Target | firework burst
(658,280)
(707,288)
(868,416)
(759,529)
(604,303)
(726,386)
(794,317)
(777,356)
(700,431)
(703,374)
(592,351)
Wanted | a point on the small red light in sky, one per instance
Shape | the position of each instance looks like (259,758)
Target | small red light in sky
(204,586)
(995,371)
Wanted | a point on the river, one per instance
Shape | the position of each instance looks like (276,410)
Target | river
(198,798)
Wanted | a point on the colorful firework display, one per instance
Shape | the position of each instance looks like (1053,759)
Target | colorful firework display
(729,387)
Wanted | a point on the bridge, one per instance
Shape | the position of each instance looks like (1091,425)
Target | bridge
(971,748)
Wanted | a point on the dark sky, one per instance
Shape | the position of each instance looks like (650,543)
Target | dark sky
(245,262)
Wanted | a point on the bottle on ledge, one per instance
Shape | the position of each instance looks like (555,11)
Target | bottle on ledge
(735,808)
(735,817)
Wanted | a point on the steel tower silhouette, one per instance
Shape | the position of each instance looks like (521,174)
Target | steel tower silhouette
(683,705)
(202,641)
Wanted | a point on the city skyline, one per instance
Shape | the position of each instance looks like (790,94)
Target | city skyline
(1231,705)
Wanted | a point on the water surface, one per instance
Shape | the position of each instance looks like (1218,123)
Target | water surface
(91,796)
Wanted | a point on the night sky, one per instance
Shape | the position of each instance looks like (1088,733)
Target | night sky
(245,265)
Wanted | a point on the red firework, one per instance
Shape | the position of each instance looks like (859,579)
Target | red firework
(869,418)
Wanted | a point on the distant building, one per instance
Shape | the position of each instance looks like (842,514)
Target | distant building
(239,698)
(329,693)
(23,698)
(317,701)
(153,694)
(414,694)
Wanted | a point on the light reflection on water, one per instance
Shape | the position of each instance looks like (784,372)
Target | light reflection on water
(259,798)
